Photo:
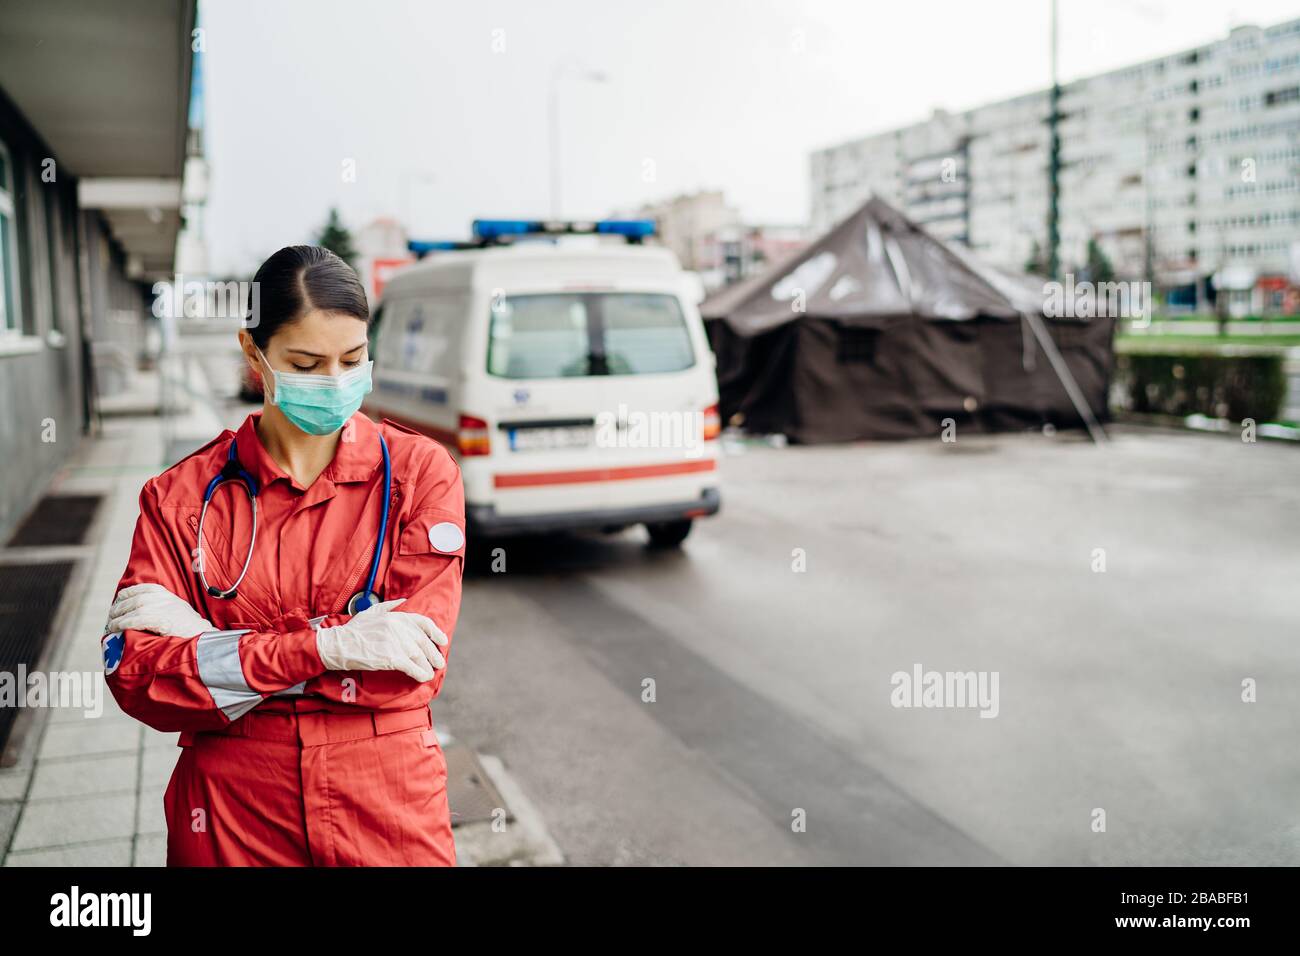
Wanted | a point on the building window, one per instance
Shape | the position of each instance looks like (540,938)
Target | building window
(10,321)
(1278,97)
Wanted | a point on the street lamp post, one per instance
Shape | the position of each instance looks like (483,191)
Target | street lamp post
(404,182)
(1054,161)
(561,70)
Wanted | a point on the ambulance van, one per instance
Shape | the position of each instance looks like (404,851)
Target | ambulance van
(571,378)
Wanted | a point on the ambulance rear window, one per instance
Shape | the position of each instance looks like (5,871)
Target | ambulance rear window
(540,336)
(563,335)
(645,334)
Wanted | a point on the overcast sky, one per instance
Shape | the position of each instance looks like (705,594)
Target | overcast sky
(443,105)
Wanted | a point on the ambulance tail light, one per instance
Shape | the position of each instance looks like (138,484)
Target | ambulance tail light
(472,436)
(712,423)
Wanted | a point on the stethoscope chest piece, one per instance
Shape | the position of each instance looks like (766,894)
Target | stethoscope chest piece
(362,600)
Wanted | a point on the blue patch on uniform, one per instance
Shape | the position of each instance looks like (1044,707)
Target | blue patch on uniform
(114,645)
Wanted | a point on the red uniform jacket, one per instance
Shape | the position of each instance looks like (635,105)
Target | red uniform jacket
(313,552)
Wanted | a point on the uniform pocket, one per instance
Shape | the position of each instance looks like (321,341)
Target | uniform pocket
(439,761)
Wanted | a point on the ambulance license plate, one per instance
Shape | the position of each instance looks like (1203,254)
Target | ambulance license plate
(550,439)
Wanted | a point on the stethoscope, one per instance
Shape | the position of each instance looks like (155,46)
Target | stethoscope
(233,472)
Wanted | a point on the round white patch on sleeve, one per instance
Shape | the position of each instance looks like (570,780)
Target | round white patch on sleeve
(446,537)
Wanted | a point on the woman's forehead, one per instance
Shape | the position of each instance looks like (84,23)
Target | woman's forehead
(321,331)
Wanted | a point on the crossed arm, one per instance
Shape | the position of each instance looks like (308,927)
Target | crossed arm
(182,668)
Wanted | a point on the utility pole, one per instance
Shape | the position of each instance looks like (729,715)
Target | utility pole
(553,134)
(558,73)
(1148,206)
(406,211)
(1054,162)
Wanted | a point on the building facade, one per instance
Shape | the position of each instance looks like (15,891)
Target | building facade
(92,151)
(709,237)
(685,224)
(1178,169)
(732,253)
(382,249)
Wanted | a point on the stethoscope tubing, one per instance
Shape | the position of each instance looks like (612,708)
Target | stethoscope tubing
(383,518)
(248,559)
(232,472)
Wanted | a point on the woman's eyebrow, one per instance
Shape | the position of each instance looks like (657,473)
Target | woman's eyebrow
(355,348)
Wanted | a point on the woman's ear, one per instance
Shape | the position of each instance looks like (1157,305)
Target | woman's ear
(249,348)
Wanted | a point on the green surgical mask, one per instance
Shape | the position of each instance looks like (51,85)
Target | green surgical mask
(319,404)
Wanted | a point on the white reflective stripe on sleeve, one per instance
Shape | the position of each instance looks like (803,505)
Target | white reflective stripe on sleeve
(235,711)
(222,675)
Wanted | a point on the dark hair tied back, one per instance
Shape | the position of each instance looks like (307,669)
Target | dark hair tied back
(297,280)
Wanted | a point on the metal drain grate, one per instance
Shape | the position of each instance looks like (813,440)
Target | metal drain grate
(29,599)
(57,520)
(470,792)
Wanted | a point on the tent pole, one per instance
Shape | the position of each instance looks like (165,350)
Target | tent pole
(1067,380)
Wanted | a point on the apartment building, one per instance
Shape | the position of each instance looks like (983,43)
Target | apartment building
(1179,168)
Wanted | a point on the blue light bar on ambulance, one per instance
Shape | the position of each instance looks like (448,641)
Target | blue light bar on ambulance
(631,228)
(496,230)
(422,247)
(433,245)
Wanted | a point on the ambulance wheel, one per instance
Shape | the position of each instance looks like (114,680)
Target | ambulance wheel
(668,534)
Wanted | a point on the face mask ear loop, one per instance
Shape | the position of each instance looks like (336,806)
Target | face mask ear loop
(265,378)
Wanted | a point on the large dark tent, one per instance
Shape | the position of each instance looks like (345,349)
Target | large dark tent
(879,330)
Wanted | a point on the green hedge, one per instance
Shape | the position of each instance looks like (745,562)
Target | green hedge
(1220,386)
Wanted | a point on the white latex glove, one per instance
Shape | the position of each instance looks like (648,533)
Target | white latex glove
(381,639)
(151,607)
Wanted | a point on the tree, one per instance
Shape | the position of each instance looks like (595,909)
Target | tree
(1099,267)
(336,238)
(1037,263)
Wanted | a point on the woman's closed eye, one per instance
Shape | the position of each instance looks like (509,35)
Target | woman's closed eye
(314,365)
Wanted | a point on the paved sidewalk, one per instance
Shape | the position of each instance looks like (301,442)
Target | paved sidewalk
(92,793)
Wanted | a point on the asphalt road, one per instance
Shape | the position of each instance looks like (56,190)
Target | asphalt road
(1118,690)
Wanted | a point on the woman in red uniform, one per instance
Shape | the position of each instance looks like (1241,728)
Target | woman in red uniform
(288,602)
